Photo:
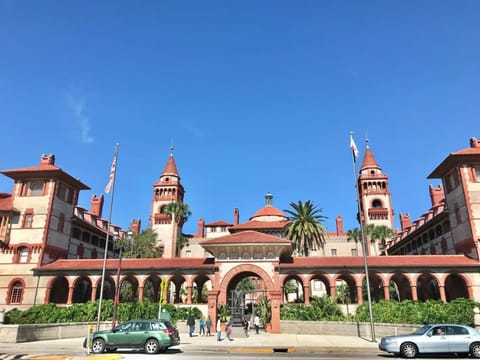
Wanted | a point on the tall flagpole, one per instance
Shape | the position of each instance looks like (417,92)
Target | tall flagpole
(110,185)
(355,154)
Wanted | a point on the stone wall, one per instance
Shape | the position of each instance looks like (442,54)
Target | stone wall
(26,333)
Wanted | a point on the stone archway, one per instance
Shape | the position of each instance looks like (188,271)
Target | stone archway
(220,293)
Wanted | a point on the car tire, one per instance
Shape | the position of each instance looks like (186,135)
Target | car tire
(475,350)
(151,346)
(408,350)
(98,346)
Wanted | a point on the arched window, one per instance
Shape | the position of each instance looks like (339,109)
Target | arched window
(376,203)
(16,293)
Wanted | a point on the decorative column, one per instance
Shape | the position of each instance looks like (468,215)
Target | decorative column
(275,301)
(386,292)
(333,290)
(189,294)
(443,296)
(70,295)
(212,306)
(359,295)
(306,294)
(414,293)
(140,293)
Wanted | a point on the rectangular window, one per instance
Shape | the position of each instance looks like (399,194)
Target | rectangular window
(477,173)
(354,252)
(28,219)
(33,188)
(333,252)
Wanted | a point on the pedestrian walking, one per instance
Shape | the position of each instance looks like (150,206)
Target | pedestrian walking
(191,324)
(228,330)
(201,325)
(219,330)
(245,326)
(256,323)
(208,325)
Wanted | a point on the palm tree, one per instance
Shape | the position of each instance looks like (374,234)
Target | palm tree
(182,241)
(355,235)
(306,229)
(143,245)
(179,211)
(368,232)
(382,233)
(180,214)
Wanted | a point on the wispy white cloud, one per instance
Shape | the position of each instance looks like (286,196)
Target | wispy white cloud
(189,127)
(77,106)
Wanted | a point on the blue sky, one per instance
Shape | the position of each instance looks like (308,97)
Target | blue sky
(258,96)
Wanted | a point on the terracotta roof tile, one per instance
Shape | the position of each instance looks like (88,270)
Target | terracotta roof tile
(380,261)
(252,225)
(219,223)
(112,264)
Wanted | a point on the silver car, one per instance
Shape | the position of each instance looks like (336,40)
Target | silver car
(434,338)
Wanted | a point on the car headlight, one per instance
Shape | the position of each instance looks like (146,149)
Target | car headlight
(389,341)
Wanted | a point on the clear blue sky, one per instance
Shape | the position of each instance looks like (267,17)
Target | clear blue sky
(258,96)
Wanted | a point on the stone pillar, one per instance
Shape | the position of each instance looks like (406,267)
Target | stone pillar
(140,294)
(333,290)
(212,306)
(93,295)
(70,295)
(306,295)
(275,301)
(189,294)
(386,292)
(359,295)
(414,293)
(443,296)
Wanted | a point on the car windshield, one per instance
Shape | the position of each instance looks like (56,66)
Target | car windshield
(422,330)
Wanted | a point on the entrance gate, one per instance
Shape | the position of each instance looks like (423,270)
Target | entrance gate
(242,304)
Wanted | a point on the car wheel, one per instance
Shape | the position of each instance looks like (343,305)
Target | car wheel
(475,350)
(408,350)
(151,346)
(98,346)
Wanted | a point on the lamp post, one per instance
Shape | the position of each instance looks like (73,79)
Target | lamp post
(116,300)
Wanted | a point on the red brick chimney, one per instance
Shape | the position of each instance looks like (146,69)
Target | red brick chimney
(201,228)
(236,216)
(405,221)
(339,225)
(47,159)
(436,195)
(97,205)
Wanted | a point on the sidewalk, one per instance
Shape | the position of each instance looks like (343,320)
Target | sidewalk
(267,342)
(72,349)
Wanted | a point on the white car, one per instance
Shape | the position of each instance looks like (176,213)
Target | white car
(434,338)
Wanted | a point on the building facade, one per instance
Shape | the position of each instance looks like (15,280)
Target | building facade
(52,249)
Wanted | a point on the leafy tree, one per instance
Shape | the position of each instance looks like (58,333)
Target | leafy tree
(343,294)
(144,245)
(290,287)
(182,241)
(306,229)
(246,285)
(355,235)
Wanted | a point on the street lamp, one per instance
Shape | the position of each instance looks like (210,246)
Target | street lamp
(120,245)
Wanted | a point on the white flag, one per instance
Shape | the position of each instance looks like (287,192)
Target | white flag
(354,148)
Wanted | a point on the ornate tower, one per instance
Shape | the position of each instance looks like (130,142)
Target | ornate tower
(375,198)
(166,190)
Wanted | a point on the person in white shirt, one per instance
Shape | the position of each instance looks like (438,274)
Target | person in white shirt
(219,330)
(256,323)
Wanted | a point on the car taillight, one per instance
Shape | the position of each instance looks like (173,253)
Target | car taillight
(168,331)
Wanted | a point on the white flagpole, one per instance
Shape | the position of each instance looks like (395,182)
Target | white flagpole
(110,185)
(355,154)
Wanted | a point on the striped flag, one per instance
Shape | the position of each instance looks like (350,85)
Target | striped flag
(112,174)
(354,148)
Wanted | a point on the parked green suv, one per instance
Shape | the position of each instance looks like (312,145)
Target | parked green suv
(152,335)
